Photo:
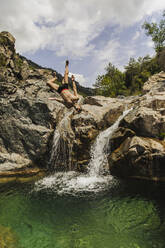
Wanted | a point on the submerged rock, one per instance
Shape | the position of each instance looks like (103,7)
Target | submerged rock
(7,238)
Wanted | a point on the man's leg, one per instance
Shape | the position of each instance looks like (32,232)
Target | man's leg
(53,85)
(75,97)
(66,73)
(74,88)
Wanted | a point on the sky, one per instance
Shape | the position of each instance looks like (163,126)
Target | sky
(90,33)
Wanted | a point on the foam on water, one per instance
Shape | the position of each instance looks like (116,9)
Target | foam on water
(73,182)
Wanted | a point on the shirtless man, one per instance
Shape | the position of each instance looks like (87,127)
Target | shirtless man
(68,98)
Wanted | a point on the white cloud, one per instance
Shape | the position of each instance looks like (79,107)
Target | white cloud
(68,27)
(136,35)
(113,52)
(108,53)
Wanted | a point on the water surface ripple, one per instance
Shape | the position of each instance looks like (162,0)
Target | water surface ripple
(127,215)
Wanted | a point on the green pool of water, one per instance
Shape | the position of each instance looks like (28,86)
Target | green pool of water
(127,215)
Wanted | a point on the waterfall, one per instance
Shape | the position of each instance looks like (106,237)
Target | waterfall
(100,148)
(61,153)
(73,182)
(62,143)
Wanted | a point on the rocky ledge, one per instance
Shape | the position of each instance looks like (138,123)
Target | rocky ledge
(28,120)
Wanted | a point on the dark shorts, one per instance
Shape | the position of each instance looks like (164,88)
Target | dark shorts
(62,87)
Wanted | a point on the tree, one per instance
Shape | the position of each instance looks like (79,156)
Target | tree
(157,32)
(112,83)
(161,59)
(131,70)
(138,71)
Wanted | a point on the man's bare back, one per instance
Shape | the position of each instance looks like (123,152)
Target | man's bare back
(68,98)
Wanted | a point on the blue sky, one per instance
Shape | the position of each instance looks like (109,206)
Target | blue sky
(90,33)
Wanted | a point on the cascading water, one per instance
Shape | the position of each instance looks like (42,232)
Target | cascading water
(62,143)
(72,182)
(61,153)
(99,150)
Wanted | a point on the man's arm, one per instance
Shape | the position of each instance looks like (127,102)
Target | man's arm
(56,99)
(63,81)
(74,86)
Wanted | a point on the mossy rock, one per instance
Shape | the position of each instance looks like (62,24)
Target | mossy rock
(3,60)
(7,238)
(18,63)
(4,40)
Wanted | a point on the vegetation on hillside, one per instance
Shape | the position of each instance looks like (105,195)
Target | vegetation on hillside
(136,73)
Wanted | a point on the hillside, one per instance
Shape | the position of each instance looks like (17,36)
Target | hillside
(16,69)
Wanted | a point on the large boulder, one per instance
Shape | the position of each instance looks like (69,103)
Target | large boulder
(139,157)
(27,117)
(145,122)
(155,83)
(105,110)
(26,127)
(137,147)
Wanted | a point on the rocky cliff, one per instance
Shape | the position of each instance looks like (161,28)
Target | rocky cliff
(138,146)
(28,120)
(27,117)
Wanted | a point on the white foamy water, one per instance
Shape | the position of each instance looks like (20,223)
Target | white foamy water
(72,183)
(94,181)
(100,147)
